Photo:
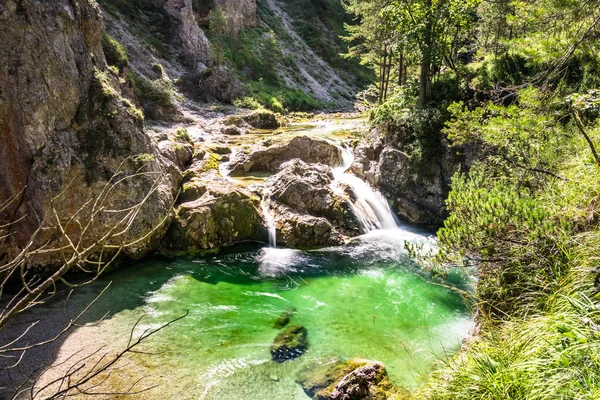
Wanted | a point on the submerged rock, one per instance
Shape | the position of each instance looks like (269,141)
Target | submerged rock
(270,159)
(284,318)
(290,344)
(353,379)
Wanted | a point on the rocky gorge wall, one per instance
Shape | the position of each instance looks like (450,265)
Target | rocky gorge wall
(65,128)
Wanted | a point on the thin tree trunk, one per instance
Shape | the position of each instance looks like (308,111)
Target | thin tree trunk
(426,56)
(382,73)
(401,69)
(389,73)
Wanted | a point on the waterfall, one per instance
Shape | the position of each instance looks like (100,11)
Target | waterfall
(270,220)
(371,208)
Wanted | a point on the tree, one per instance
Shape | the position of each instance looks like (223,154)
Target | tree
(218,27)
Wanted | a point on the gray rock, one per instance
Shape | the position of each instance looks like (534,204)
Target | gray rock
(270,159)
(193,43)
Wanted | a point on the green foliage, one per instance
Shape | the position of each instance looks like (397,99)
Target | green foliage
(115,52)
(154,92)
(282,99)
(247,102)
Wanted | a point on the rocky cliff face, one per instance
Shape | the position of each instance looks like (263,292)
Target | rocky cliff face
(189,38)
(65,128)
(416,189)
(240,14)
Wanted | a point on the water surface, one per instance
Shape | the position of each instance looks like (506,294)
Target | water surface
(366,300)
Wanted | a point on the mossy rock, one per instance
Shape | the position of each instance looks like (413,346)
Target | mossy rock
(353,379)
(323,378)
(284,318)
(290,344)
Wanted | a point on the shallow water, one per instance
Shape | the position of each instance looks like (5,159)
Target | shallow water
(366,300)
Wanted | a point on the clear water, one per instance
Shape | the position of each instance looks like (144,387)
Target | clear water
(366,300)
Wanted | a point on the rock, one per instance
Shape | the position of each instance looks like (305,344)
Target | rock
(177,147)
(284,318)
(306,188)
(219,85)
(191,39)
(418,189)
(259,119)
(220,149)
(302,231)
(233,130)
(270,159)
(65,126)
(215,213)
(353,379)
(321,378)
(290,344)
(240,14)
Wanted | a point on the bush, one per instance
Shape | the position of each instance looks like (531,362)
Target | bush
(115,52)
(158,92)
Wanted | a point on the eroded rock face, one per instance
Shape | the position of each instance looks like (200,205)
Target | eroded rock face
(215,213)
(270,159)
(65,127)
(306,188)
(194,44)
(240,14)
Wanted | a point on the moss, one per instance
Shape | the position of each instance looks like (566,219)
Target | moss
(284,318)
(115,52)
(182,135)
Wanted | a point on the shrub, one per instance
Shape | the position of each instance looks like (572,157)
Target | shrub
(115,52)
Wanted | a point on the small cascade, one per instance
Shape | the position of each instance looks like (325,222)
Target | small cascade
(270,219)
(371,208)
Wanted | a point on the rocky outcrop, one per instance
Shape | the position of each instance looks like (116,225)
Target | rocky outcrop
(259,119)
(215,213)
(290,344)
(240,14)
(308,212)
(353,379)
(306,188)
(66,129)
(270,159)
(194,45)
(417,189)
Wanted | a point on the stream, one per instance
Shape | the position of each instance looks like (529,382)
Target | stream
(366,299)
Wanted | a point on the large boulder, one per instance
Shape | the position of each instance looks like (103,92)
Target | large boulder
(307,188)
(270,159)
(215,214)
(353,379)
(65,128)
(258,119)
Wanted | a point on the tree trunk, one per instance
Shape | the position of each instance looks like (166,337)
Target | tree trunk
(389,73)
(426,49)
(401,69)
(382,74)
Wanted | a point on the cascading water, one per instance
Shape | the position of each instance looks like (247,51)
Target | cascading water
(270,220)
(371,208)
